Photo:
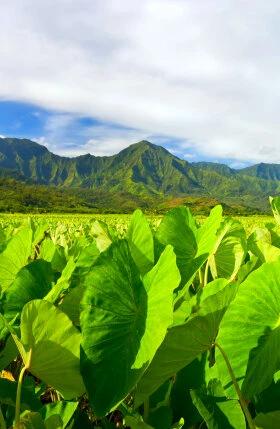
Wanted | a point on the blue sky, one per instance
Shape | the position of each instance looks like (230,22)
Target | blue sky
(198,77)
(69,134)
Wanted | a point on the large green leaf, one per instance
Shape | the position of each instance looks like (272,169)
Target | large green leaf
(53,253)
(51,347)
(250,331)
(63,282)
(218,411)
(190,377)
(87,256)
(141,242)
(32,281)
(15,256)
(183,343)
(63,409)
(268,421)
(8,353)
(275,206)
(178,229)
(71,303)
(103,235)
(266,252)
(136,422)
(206,234)
(124,320)
(229,251)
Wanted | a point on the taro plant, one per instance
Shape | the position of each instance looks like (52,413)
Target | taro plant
(170,326)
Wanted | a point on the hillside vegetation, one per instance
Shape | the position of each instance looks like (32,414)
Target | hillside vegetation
(142,175)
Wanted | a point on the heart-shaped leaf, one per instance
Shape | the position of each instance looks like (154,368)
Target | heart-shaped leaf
(124,320)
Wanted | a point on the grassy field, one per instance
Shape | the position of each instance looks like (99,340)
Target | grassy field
(119,221)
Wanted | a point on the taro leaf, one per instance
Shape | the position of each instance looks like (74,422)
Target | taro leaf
(88,256)
(206,234)
(15,256)
(266,252)
(178,425)
(250,331)
(183,294)
(229,250)
(268,400)
(71,303)
(54,254)
(275,206)
(39,231)
(259,243)
(259,234)
(136,422)
(183,311)
(124,320)
(178,229)
(78,244)
(268,421)
(8,391)
(31,420)
(32,281)
(63,283)
(248,267)
(65,410)
(141,242)
(48,336)
(218,411)
(8,353)
(161,417)
(213,287)
(53,422)
(189,378)
(103,235)
(274,233)
(183,343)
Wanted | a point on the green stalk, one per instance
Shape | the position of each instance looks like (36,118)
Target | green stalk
(200,277)
(18,397)
(146,410)
(2,421)
(19,387)
(242,401)
(206,273)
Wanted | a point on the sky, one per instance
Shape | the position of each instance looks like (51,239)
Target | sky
(199,77)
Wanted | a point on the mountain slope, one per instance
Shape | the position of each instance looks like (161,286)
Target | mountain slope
(143,166)
(263,171)
(143,171)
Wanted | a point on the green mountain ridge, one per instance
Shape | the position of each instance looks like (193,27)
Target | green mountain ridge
(141,172)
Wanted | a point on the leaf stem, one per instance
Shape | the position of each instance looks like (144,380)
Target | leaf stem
(200,277)
(2,420)
(146,410)
(19,387)
(206,273)
(242,401)
(18,397)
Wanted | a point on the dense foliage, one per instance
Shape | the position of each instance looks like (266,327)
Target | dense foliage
(169,325)
(142,175)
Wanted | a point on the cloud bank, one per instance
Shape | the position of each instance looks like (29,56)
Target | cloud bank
(203,73)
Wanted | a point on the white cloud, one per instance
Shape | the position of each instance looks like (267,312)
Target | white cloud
(63,134)
(205,72)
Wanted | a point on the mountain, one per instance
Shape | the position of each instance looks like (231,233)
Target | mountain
(143,167)
(263,171)
(142,174)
